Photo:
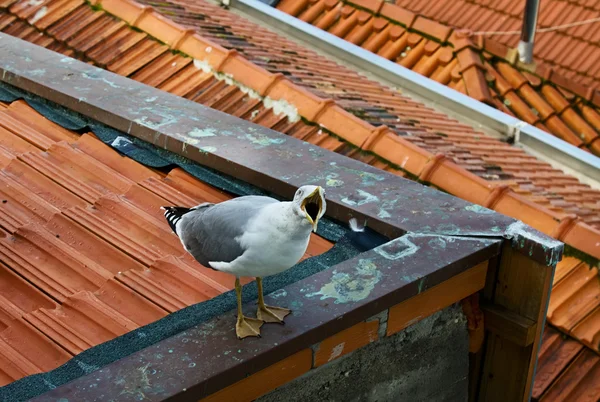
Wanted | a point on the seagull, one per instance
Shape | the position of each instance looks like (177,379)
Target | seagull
(254,236)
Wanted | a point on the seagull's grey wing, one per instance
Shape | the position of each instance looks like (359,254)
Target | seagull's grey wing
(210,232)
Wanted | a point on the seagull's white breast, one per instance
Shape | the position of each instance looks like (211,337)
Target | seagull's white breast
(274,240)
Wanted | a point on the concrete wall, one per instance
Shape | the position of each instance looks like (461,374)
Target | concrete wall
(426,362)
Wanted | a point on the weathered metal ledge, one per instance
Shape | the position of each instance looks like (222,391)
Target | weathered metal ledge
(207,358)
(257,155)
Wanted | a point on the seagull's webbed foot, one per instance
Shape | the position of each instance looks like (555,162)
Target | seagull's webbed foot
(272,314)
(269,313)
(247,326)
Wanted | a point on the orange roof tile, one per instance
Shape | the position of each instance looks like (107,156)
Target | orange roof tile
(342,110)
(86,259)
(566,370)
(477,68)
(572,52)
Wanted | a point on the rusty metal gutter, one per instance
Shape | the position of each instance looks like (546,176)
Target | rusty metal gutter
(438,235)
(462,106)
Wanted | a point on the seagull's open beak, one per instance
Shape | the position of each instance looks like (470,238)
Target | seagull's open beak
(312,206)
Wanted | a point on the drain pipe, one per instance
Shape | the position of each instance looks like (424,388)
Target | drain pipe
(525,47)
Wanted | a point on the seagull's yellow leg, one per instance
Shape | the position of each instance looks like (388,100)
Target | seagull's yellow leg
(268,313)
(245,326)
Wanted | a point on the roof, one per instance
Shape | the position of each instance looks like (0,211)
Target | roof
(476,66)
(572,52)
(566,370)
(111,263)
(240,86)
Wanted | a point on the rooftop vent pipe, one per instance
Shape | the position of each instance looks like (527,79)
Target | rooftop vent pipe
(525,46)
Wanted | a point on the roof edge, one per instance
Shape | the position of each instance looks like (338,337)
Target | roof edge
(213,370)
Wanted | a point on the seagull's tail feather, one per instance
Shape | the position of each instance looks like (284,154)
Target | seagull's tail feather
(174,215)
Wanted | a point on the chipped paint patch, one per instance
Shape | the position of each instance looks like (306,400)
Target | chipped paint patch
(208,149)
(94,77)
(479,209)
(367,178)
(336,351)
(383,214)
(332,180)
(152,99)
(437,243)
(422,284)
(520,234)
(155,125)
(206,132)
(397,248)
(278,293)
(361,198)
(38,72)
(351,287)
(264,141)
(448,229)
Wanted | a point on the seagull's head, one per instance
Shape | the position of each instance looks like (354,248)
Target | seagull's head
(309,202)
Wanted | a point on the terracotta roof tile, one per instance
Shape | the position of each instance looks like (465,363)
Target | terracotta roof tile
(554,358)
(578,382)
(86,253)
(563,48)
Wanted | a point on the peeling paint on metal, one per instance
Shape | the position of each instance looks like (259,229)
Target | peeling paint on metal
(264,141)
(278,293)
(361,197)
(383,214)
(206,132)
(367,178)
(479,209)
(38,72)
(422,284)
(521,234)
(208,149)
(437,243)
(332,180)
(351,287)
(397,248)
(154,125)
(92,76)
